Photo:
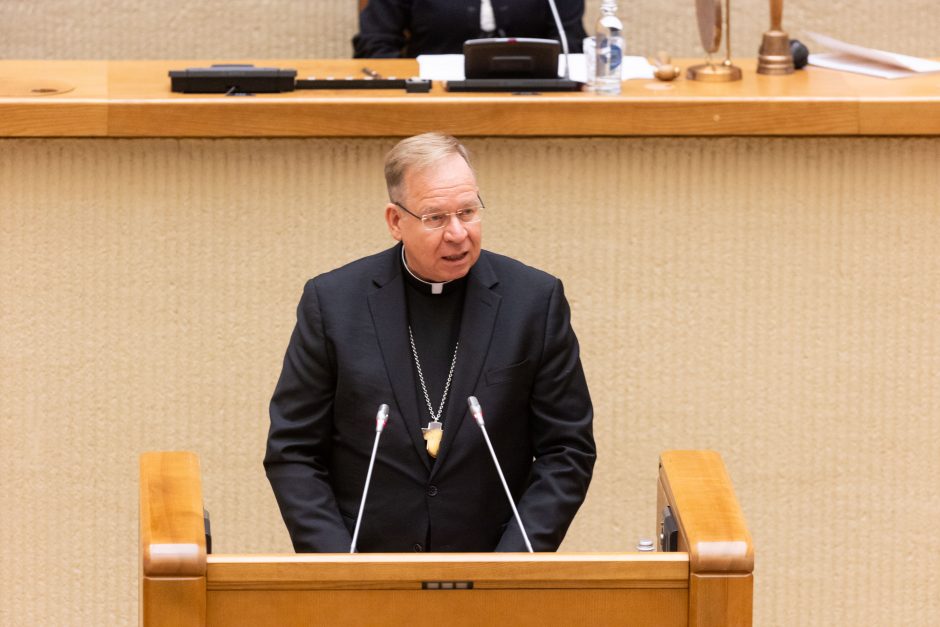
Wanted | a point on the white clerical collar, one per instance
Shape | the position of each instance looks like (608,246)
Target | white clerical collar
(436,288)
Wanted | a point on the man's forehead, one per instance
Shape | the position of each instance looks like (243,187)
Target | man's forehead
(448,167)
(442,185)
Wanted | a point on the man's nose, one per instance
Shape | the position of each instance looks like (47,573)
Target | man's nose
(455,231)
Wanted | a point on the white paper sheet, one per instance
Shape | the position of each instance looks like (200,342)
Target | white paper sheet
(449,67)
(853,58)
(441,67)
(631,67)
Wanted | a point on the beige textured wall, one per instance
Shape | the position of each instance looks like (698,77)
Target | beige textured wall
(775,299)
(188,29)
(778,300)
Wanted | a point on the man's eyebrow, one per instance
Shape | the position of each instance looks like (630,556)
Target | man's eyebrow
(470,204)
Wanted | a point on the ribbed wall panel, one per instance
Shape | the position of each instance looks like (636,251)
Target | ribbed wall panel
(775,299)
(177,29)
(266,29)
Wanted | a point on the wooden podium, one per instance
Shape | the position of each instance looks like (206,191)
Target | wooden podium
(707,582)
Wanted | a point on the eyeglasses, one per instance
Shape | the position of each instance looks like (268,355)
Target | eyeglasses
(434,221)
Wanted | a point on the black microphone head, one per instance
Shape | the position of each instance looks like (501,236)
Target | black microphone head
(800,53)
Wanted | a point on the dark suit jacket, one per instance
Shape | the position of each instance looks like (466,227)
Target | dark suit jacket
(441,26)
(350,352)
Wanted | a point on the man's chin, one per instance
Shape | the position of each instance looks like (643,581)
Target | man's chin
(444,277)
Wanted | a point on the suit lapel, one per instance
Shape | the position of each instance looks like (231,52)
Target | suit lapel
(476,330)
(390,317)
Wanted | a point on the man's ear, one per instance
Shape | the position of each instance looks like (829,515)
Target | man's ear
(393,220)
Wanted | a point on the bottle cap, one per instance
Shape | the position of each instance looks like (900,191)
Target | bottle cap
(645,544)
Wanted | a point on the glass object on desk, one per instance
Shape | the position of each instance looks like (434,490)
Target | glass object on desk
(608,36)
(587,47)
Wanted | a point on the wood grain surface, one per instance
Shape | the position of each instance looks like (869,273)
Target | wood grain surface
(133,99)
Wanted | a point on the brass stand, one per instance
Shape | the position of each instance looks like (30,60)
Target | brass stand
(774,57)
(714,73)
(709,16)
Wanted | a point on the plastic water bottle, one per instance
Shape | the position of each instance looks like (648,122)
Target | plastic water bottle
(608,50)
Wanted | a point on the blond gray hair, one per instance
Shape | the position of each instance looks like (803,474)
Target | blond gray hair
(416,153)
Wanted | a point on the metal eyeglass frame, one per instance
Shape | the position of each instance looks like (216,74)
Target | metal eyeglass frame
(446,214)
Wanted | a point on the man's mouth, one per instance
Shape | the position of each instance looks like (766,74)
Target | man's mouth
(457,257)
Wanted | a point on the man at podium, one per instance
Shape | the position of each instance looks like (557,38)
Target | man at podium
(408,28)
(422,326)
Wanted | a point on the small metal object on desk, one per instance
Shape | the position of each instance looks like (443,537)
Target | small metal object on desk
(665,70)
(709,13)
(775,56)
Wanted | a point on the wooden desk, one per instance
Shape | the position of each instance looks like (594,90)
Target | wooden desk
(708,583)
(133,99)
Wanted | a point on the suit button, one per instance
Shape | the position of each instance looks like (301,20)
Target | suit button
(432,490)
(418,548)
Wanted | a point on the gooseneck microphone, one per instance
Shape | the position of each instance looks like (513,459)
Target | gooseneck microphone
(564,40)
(380,419)
(477,412)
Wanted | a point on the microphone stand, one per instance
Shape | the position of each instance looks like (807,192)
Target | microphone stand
(380,419)
(477,412)
(564,43)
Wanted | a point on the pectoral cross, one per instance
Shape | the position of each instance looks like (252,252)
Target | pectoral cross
(433,434)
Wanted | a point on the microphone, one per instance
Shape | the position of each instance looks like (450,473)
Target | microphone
(564,46)
(380,419)
(477,412)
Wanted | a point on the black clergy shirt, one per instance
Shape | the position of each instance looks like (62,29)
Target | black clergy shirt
(435,322)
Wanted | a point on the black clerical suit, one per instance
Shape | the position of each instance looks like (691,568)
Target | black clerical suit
(350,352)
(441,26)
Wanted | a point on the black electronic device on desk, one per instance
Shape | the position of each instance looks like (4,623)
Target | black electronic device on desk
(241,79)
(512,64)
(410,85)
(514,84)
(232,79)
